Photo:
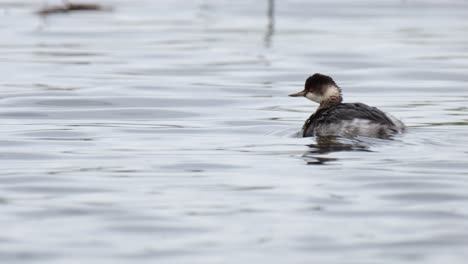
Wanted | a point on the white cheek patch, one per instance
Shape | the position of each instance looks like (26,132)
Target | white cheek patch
(314,97)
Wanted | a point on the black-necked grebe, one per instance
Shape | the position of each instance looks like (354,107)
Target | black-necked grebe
(334,118)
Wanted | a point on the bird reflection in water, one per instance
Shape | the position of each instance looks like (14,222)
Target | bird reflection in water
(330,144)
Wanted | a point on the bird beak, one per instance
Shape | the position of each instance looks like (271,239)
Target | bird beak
(301,93)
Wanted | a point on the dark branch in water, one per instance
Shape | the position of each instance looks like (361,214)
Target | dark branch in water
(271,23)
(70,7)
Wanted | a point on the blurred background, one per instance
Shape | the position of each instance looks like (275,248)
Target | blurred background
(141,131)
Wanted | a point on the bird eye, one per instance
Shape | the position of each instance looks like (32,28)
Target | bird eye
(311,89)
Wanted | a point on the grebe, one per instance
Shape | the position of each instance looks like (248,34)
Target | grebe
(334,118)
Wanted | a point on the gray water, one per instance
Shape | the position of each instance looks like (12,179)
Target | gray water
(160,132)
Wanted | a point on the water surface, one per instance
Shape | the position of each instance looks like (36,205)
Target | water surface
(161,131)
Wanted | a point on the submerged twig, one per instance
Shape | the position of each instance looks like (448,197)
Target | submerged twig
(70,7)
(271,23)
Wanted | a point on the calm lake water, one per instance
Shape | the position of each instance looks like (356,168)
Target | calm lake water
(161,132)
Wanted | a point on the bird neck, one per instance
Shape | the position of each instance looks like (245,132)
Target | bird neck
(331,97)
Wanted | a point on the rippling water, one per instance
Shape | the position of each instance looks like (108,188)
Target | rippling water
(161,131)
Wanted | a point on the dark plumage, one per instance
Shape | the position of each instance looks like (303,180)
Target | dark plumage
(334,118)
(344,114)
(317,83)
